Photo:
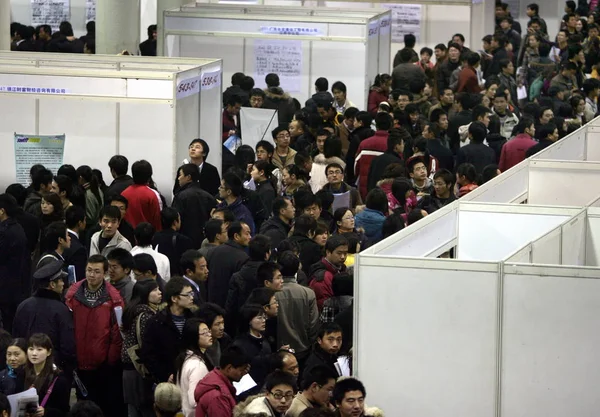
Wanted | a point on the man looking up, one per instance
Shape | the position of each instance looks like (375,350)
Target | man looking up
(209,178)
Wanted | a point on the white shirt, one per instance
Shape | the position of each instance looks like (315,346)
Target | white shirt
(163,266)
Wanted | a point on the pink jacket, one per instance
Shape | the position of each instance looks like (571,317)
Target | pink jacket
(513,151)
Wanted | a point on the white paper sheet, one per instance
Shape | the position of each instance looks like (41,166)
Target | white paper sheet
(341,200)
(18,402)
(406,18)
(244,385)
(343,366)
(283,58)
(521,93)
(50,12)
(257,125)
(119,315)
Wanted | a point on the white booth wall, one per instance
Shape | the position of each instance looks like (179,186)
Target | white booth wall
(107,112)
(347,48)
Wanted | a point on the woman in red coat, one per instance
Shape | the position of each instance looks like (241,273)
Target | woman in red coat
(380,92)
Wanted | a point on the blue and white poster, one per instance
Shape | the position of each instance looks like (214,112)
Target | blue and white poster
(47,150)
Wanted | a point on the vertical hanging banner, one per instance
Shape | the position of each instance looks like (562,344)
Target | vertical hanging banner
(283,58)
(90,10)
(50,12)
(37,149)
(406,18)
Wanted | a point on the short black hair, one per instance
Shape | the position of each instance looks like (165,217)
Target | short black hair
(235,357)
(265,273)
(322,84)
(410,40)
(319,374)
(208,312)
(190,170)
(110,212)
(227,214)
(144,262)
(188,260)
(447,176)
(212,228)
(52,233)
(234,228)
(119,164)
(74,215)
(168,216)
(173,287)
(205,147)
(41,177)
(272,80)
(278,204)
(237,78)
(478,132)
(98,259)
(328,328)
(479,111)
(279,377)
(118,198)
(305,224)
(259,247)
(383,121)
(123,257)
(347,385)
(9,204)
(85,408)
(473,59)
(141,172)
(257,92)
(233,183)
(338,85)
(534,7)
(144,233)
(335,242)
(406,55)
(290,263)
(377,200)
(267,146)
(546,130)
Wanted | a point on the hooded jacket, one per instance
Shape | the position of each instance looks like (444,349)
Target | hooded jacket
(215,395)
(372,221)
(277,99)
(321,280)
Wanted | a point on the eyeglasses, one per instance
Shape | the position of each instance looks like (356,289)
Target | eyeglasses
(262,317)
(189,294)
(206,333)
(279,396)
(276,303)
(338,172)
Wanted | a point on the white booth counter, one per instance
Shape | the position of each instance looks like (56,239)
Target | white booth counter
(147,113)
(299,44)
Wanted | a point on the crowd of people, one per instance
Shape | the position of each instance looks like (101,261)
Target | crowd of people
(157,302)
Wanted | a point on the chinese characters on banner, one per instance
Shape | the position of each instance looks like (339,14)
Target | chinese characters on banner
(50,12)
(37,149)
(280,57)
(90,10)
(406,18)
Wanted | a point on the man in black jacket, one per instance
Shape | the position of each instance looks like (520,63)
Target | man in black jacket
(45,312)
(209,180)
(499,53)
(193,268)
(41,182)
(464,103)
(305,228)
(162,338)
(226,260)
(193,203)
(393,155)
(326,350)
(278,226)
(76,254)
(169,241)
(30,223)
(476,152)
(244,281)
(118,165)
(15,262)
(362,130)
(148,47)
(436,148)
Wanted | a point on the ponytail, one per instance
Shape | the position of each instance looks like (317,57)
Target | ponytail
(85,172)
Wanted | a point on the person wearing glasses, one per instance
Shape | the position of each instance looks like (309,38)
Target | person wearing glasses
(317,387)
(280,389)
(283,155)
(251,340)
(161,342)
(339,188)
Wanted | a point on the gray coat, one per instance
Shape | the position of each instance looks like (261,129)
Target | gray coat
(118,241)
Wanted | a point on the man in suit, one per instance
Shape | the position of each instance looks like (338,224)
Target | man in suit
(76,255)
(194,269)
(209,176)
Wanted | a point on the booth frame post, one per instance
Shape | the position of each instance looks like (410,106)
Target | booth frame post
(5,25)
(161,7)
(118,26)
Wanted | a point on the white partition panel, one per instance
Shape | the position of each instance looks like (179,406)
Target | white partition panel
(592,247)
(593,144)
(426,336)
(211,123)
(491,234)
(573,240)
(563,183)
(569,148)
(547,249)
(550,341)
(521,256)
(509,187)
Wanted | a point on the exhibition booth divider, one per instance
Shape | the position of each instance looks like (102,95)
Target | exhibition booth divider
(149,113)
(466,331)
(300,44)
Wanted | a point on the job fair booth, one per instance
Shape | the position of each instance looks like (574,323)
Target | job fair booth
(299,44)
(485,308)
(60,108)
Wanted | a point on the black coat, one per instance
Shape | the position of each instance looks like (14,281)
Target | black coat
(116,187)
(356,137)
(494,67)
(319,357)
(240,286)
(277,99)
(276,229)
(267,194)
(310,251)
(45,312)
(15,263)
(226,260)
(194,205)
(378,166)
(148,47)
(210,181)
(543,144)
(32,227)
(443,154)
(259,351)
(477,154)
(346,319)
(172,244)
(76,255)
(33,204)
(161,344)
(462,118)
(444,73)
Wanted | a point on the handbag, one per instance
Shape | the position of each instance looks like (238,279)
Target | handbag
(132,351)
(45,400)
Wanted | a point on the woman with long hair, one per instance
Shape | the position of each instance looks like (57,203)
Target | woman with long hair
(466,179)
(94,198)
(380,91)
(53,388)
(345,223)
(137,392)
(192,364)
(292,179)
(52,209)
(12,378)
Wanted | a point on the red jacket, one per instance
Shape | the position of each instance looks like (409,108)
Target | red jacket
(97,335)
(513,151)
(229,123)
(467,81)
(144,205)
(376,97)
(321,280)
(368,150)
(215,395)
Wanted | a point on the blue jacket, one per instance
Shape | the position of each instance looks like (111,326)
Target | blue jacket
(372,221)
(241,213)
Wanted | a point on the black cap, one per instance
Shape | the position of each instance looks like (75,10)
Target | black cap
(50,272)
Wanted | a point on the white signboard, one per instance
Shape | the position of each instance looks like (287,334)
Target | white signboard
(406,18)
(257,125)
(50,12)
(188,87)
(210,80)
(283,58)
(90,10)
